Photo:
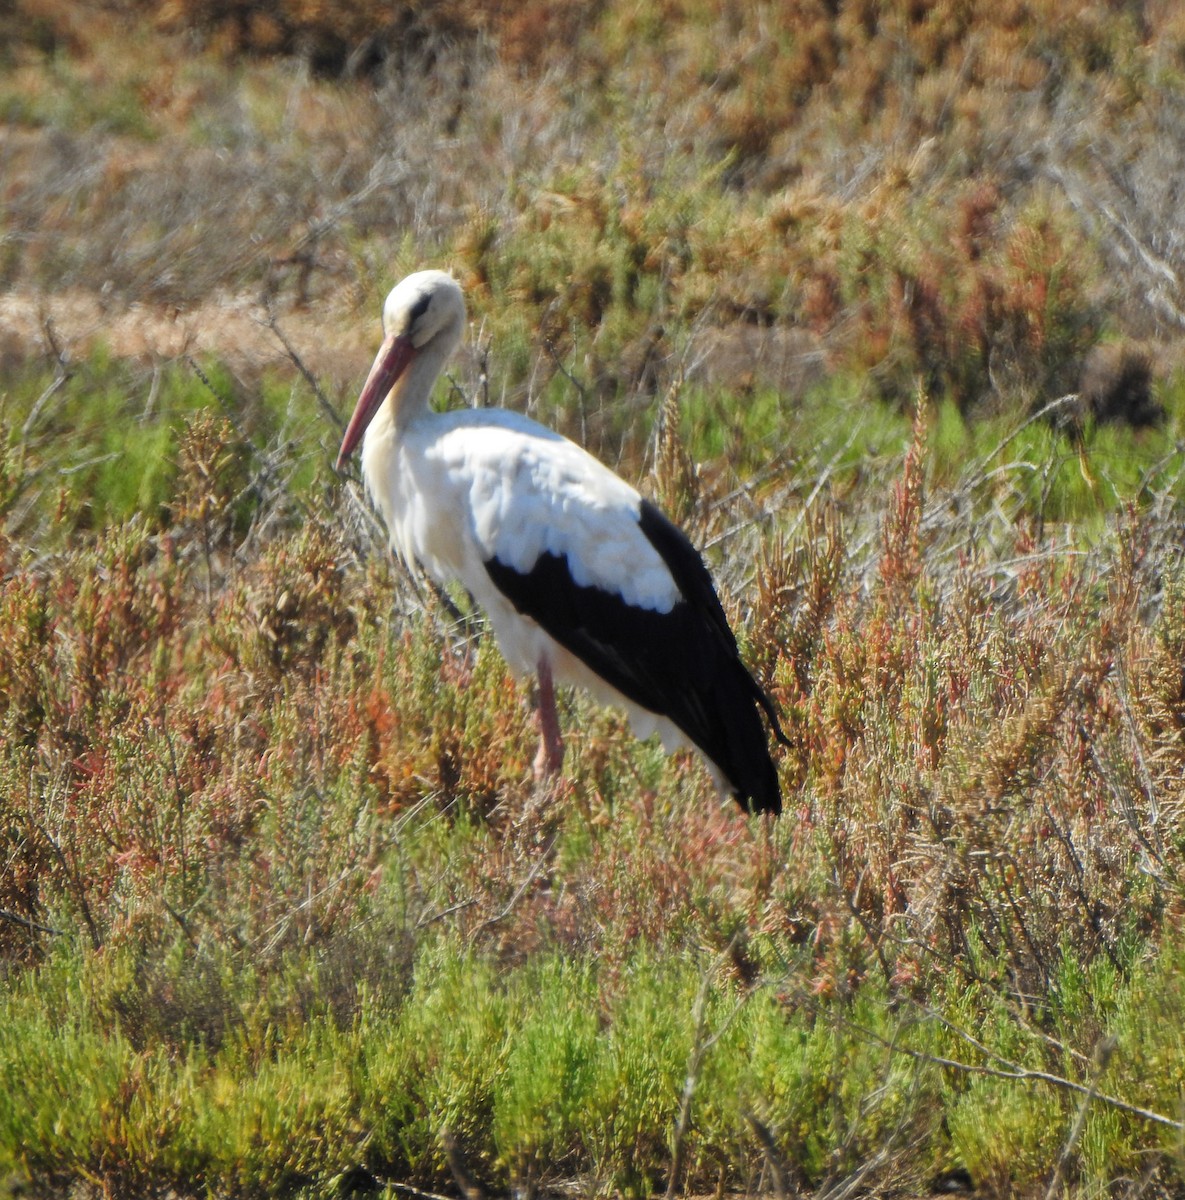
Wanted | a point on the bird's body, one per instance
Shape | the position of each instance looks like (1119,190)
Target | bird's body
(525,491)
(583,581)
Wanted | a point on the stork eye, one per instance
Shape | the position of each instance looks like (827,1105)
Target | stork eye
(420,307)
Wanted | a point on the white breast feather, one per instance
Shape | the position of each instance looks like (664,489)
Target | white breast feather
(469,486)
(460,488)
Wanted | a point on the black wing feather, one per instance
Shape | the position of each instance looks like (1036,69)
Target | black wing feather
(695,582)
(682,664)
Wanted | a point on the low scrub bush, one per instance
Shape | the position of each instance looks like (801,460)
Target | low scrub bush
(276,875)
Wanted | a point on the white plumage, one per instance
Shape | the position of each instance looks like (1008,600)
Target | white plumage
(580,578)
(523,490)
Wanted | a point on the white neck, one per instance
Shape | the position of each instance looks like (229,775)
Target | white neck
(412,394)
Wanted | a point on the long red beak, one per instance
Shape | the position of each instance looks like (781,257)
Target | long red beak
(391,361)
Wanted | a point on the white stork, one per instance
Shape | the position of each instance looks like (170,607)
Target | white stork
(583,581)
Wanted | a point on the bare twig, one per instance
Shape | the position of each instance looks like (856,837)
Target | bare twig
(773,1159)
(33,926)
(1102,1057)
(470,1188)
(558,362)
(983,474)
(1007,1069)
(413,1193)
(273,325)
(61,376)
(483,343)
(700,1047)
(1165,284)
(532,875)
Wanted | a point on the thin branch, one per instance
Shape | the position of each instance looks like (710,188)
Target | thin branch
(983,475)
(469,1186)
(532,874)
(413,1193)
(554,355)
(273,325)
(33,926)
(1098,1066)
(61,376)
(699,1051)
(1010,1070)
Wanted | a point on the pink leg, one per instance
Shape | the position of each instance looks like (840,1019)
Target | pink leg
(551,744)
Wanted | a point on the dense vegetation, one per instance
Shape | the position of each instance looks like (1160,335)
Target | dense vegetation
(883,302)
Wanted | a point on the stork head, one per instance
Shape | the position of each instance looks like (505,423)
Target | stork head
(423,319)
